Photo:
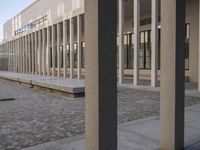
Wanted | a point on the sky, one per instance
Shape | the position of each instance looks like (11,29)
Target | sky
(9,8)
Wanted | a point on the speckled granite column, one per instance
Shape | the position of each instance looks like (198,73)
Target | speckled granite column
(136,42)
(101,80)
(24,54)
(58,51)
(64,48)
(53,50)
(79,26)
(48,51)
(121,40)
(172,74)
(44,51)
(71,48)
(36,52)
(40,51)
(154,47)
(32,53)
(199,52)
(29,54)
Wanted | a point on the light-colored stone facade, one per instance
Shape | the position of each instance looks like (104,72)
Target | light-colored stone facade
(57,11)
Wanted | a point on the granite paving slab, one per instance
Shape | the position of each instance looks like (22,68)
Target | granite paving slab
(141,134)
(37,117)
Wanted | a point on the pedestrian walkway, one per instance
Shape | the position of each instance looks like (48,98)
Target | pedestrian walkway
(142,134)
(190,88)
(73,87)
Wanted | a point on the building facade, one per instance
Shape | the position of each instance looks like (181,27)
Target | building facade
(49,39)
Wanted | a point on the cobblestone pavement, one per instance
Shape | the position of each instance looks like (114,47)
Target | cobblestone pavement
(36,116)
(188,85)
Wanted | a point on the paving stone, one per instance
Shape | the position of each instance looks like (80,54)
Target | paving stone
(37,116)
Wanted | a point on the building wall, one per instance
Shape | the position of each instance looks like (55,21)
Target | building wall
(59,9)
(55,9)
(7,30)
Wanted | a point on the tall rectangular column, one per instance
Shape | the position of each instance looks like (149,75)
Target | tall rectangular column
(26,54)
(12,57)
(29,54)
(12,44)
(101,79)
(36,52)
(13,64)
(12,54)
(199,52)
(19,53)
(39,52)
(48,51)
(8,51)
(79,27)
(58,50)
(9,55)
(11,49)
(136,41)
(15,55)
(71,48)
(172,74)
(43,52)
(21,56)
(53,51)
(64,48)
(121,40)
(32,52)
(154,47)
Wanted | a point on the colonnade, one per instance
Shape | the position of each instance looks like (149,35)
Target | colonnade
(49,50)
(101,81)
(8,52)
(101,91)
(136,29)
(39,52)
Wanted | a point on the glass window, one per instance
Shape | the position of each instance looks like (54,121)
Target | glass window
(145,49)
(159,48)
(75,55)
(56,63)
(61,54)
(187,46)
(83,54)
(142,49)
(125,51)
(68,55)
